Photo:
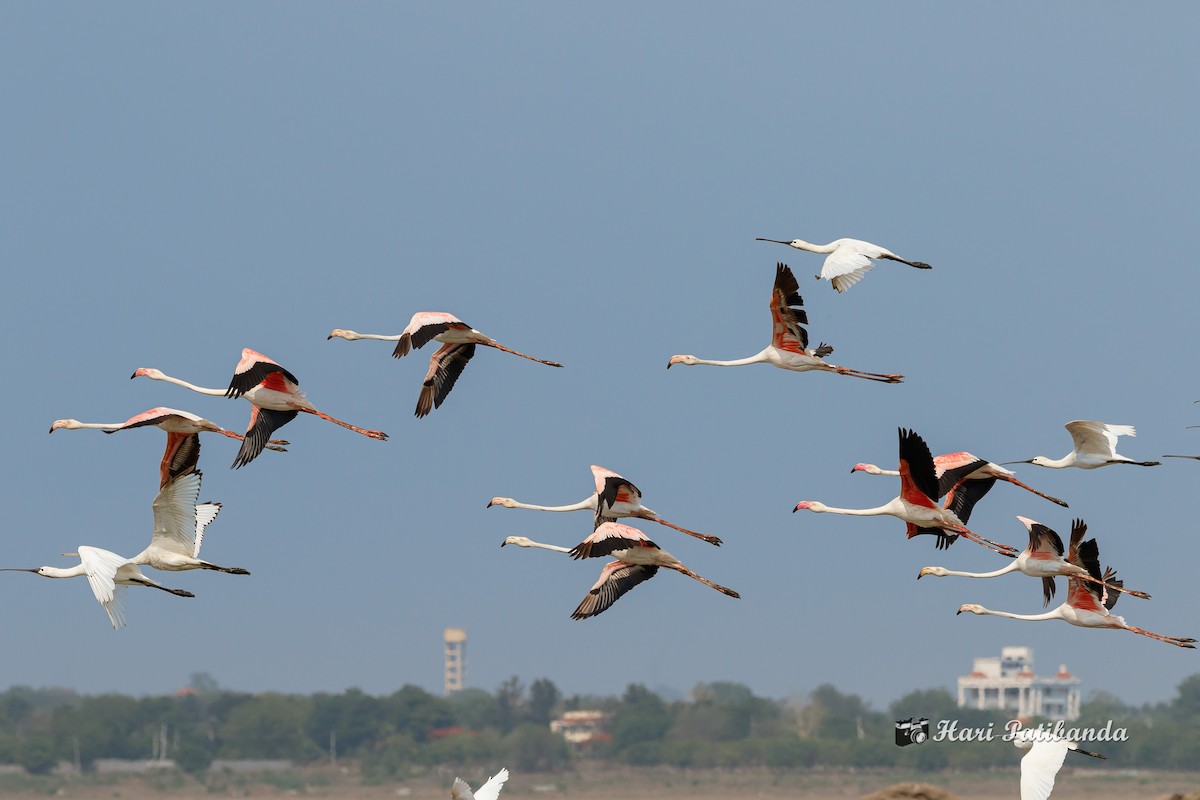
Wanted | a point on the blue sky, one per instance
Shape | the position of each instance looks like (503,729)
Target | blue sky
(585,184)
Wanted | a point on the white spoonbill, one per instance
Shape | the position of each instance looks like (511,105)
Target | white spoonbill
(108,574)
(789,339)
(615,497)
(461,790)
(1045,758)
(917,503)
(274,395)
(1088,606)
(1045,558)
(1095,446)
(178,425)
(179,525)
(970,489)
(447,363)
(848,260)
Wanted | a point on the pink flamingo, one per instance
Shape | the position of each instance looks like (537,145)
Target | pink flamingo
(615,497)
(789,339)
(274,395)
(1045,558)
(179,426)
(447,363)
(967,491)
(917,503)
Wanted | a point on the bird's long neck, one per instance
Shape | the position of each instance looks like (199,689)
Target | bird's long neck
(1012,566)
(894,473)
(543,546)
(192,386)
(59,572)
(757,358)
(587,503)
(800,244)
(1055,614)
(380,336)
(104,426)
(1066,461)
(893,508)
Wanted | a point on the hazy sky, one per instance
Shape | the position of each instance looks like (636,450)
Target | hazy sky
(585,182)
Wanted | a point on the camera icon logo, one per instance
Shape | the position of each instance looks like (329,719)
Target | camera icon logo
(912,731)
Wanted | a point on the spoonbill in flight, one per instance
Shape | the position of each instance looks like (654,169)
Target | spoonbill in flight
(108,574)
(1045,558)
(447,363)
(461,790)
(917,503)
(848,260)
(614,498)
(274,395)
(789,339)
(179,425)
(179,524)
(1045,758)
(1095,446)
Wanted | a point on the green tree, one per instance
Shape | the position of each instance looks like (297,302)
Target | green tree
(642,717)
(415,711)
(268,726)
(534,748)
(543,697)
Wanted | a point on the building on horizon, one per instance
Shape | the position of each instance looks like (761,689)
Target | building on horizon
(454,659)
(584,729)
(1008,683)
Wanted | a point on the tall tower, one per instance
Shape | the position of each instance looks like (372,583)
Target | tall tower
(456,659)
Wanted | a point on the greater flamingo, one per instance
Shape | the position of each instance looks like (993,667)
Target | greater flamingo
(630,547)
(461,790)
(179,525)
(179,425)
(1045,558)
(274,395)
(1087,606)
(917,503)
(963,495)
(615,497)
(447,363)
(108,574)
(1045,758)
(789,339)
(848,260)
(1095,446)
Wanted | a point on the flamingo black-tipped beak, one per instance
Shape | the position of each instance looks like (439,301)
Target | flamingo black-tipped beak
(504,543)
(489,505)
(956,613)
(52,430)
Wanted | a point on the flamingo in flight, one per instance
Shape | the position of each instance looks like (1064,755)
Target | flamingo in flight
(1045,758)
(614,498)
(1095,446)
(461,790)
(448,361)
(179,524)
(1045,558)
(962,496)
(637,560)
(274,395)
(108,574)
(1088,603)
(789,339)
(848,260)
(179,425)
(917,503)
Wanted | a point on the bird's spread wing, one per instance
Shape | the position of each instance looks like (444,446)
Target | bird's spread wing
(609,537)
(175,514)
(845,267)
(1097,438)
(1110,598)
(1038,768)
(154,416)
(445,366)
(205,513)
(491,789)
(963,496)
(918,480)
(788,316)
(461,790)
(263,422)
(255,368)
(616,579)
(617,490)
(600,475)
(182,454)
(101,568)
(950,474)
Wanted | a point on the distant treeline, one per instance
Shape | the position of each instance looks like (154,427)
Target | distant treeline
(721,724)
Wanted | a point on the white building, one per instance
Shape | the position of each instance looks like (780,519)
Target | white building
(1008,683)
